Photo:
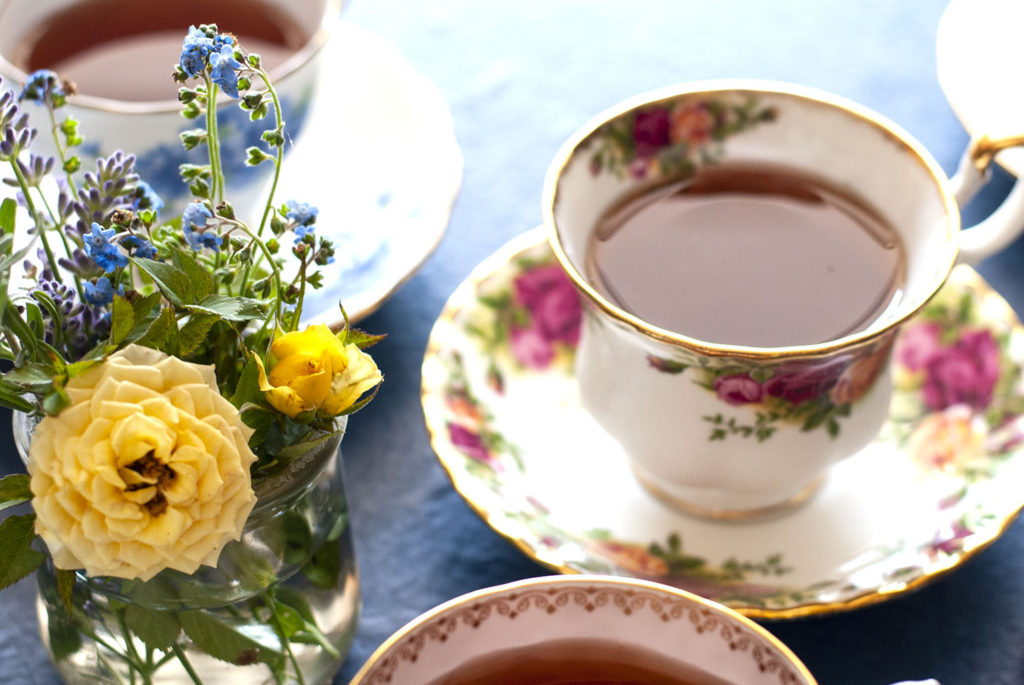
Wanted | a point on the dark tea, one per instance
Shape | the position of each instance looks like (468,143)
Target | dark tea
(749,255)
(126,49)
(577,661)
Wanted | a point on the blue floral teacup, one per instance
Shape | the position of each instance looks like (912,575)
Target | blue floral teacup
(725,426)
(119,98)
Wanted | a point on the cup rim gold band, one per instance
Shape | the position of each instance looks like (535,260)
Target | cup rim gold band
(578,579)
(747,86)
(317,41)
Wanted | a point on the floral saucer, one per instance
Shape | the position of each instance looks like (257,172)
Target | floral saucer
(939,484)
(379,158)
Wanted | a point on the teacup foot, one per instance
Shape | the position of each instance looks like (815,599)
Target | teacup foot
(722,514)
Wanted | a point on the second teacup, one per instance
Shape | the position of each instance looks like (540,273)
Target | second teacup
(746,252)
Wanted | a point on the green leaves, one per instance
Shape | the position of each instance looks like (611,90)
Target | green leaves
(158,629)
(223,640)
(17,558)
(14,490)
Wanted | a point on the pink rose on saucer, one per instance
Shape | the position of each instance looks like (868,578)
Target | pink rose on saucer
(469,443)
(554,311)
(917,344)
(963,373)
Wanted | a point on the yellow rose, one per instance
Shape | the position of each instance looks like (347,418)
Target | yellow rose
(316,371)
(147,469)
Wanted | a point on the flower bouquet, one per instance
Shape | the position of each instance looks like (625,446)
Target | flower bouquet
(181,427)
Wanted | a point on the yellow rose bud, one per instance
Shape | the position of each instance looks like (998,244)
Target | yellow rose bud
(147,469)
(315,371)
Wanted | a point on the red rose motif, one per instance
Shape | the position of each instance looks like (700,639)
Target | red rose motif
(738,389)
(468,442)
(917,344)
(549,297)
(963,373)
(651,131)
(805,381)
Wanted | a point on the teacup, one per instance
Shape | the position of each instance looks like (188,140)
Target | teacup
(145,117)
(584,626)
(726,427)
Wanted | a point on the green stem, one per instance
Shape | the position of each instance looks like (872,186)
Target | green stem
(279,157)
(275,271)
(186,664)
(40,227)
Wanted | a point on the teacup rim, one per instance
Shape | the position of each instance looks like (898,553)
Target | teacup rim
(753,86)
(316,42)
(582,580)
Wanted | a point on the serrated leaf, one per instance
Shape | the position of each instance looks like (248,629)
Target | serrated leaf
(122,319)
(55,400)
(194,332)
(14,490)
(237,309)
(144,305)
(197,274)
(171,280)
(224,641)
(158,629)
(17,558)
(161,332)
(362,339)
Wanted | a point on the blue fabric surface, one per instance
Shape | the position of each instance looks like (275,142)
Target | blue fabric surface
(520,77)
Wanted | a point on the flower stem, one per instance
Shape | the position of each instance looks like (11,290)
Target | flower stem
(279,158)
(36,219)
(186,664)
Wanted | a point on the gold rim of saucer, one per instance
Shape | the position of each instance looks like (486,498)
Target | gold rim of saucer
(312,47)
(748,86)
(581,580)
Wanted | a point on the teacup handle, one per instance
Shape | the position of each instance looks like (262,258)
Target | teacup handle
(1000,228)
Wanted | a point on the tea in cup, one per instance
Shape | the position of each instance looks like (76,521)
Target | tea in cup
(121,54)
(746,252)
(582,629)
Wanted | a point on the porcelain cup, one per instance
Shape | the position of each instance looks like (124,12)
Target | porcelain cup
(731,431)
(697,635)
(150,128)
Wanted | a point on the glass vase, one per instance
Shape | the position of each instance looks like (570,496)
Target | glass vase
(281,606)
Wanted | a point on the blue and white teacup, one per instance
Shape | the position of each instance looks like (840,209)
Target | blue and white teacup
(150,128)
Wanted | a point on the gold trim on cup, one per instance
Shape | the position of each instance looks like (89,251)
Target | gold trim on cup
(312,47)
(749,87)
(582,582)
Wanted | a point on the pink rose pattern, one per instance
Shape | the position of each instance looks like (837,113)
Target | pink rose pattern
(673,138)
(553,313)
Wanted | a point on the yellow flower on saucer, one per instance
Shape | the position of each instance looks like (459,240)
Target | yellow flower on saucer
(316,371)
(147,469)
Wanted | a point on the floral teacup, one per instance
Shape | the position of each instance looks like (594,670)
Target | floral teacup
(150,127)
(732,430)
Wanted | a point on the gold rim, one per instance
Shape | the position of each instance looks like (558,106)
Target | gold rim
(448,456)
(580,580)
(302,56)
(746,86)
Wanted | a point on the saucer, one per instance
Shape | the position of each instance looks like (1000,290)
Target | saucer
(979,58)
(939,484)
(379,158)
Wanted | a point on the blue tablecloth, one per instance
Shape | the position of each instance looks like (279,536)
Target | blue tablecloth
(520,76)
